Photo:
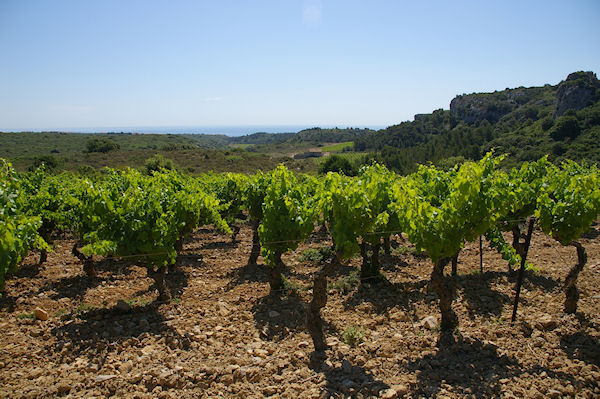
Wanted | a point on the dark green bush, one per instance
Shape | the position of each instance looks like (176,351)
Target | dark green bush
(339,164)
(547,123)
(566,126)
(49,161)
(101,144)
(157,163)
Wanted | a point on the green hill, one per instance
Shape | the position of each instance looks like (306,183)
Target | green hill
(562,121)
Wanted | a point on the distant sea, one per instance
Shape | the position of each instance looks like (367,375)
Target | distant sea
(226,130)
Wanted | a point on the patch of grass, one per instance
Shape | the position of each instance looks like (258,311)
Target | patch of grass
(347,283)
(353,335)
(60,313)
(139,301)
(176,300)
(26,316)
(240,145)
(338,146)
(234,158)
(530,268)
(316,255)
(84,307)
(291,288)
(403,250)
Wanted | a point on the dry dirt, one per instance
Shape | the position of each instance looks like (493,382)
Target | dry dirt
(223,335)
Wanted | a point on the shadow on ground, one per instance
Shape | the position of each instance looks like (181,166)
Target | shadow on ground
(347,380)
(581,346)
(468,365)
(97,332)
(276,317)
(480,297)
(383,294)
(247,274)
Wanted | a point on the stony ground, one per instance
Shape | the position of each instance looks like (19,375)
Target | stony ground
(223,335)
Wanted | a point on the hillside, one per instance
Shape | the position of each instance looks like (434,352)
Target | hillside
(562,121)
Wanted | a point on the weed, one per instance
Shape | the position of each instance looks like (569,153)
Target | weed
(291,288)
(60,313)
(404,250)
(353,335)
(176,300)
(316,255)
(347,283)
(142,301)
(26,316)
(84,307)
(530,268)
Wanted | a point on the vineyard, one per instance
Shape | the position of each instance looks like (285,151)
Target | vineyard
(470,282)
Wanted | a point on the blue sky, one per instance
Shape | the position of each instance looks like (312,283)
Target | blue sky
(349,63)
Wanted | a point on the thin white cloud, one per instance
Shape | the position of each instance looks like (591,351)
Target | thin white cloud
(312,11)
(211,99)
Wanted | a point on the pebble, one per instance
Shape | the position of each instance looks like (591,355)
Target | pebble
(41,314)
(63,387)
(105,377)
(389,393)
(270,390)
(553,393)
(429,322)
(546,322)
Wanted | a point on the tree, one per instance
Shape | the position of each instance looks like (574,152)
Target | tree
(566,126)
(339,164)
(158,163)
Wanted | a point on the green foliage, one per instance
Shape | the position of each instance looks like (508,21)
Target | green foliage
(547,123)
(353,335)
(517,122)
(442,211)
(347,283)
(128,213)
(18,230)
(158,163)
(569,201)
(229,189)
(49,162)
(338,164)
(358,207)
(338,147)
(289,214)
(316,255)
(565,127)
(496,240)
(255,191)
(101,144)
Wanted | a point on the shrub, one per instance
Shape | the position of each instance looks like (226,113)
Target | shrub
(314,255)
(547,123)
(49,161)
(339,164)
(157,163)
(101,144)
(566,126)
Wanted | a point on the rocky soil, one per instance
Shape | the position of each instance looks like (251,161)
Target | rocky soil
(63,334)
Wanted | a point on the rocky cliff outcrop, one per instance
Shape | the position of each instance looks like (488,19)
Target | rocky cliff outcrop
(579,90)
(491,106)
